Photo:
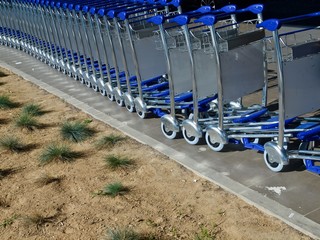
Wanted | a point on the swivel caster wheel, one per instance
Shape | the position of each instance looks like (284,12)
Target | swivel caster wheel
(193,140)
(215,146)
(168,133)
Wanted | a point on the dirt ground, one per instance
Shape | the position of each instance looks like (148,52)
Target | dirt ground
(165,201)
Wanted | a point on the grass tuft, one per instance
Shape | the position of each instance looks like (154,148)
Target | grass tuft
(46,179)
(32,110)
(12,144)
(116,162)
(109,141)
(122,234)
(208,234)
(113,190)
(6,103)
(76,131)
(58,152)
(8,221)
(27,121)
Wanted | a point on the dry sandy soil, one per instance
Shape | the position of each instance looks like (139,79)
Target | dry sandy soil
(165,201)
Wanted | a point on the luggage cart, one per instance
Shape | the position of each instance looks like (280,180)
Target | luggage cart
(128,83)
(169,38)
(203,62)
(109,70)
(297,55)
(148,67)
(84,60)
(10,28)
(202,89)
(240,58)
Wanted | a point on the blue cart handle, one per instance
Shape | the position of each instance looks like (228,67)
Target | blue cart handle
(210,19)
(175,3)
(160,19)
(109,11)
(125,14)
(185,18)
(275,24)
(115,12)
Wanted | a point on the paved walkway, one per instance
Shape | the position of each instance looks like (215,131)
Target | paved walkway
(293,197)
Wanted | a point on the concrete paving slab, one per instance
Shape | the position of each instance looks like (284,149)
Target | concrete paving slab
(239,171)
(314,215)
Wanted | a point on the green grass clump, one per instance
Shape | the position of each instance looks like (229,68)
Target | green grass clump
(122,234)
(109,141)
(11,143)
(32,110)
(76,131)
(207,234)
(26,121)
(6,103)
(8,221)
(116,162)
(113,190)
(58,152)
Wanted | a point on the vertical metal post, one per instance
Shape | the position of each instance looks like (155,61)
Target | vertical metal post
(106,61)
(135,59)
(85,50)
(215,45)
(63,19)
(114,57)
(281,93)
(170,80)
(193,74)
(76,63)
(46,31)
(92,26)
(124,60)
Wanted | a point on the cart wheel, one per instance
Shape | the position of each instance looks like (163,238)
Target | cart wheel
(110,97)
(193,140)
(306,146)
(70,74)
(120,102)
(167,133)
(142,114)
(273,166)
(215,146)
(95,88)
(130,108)
(75,77)
(88,84)
(103,92)
(82,81)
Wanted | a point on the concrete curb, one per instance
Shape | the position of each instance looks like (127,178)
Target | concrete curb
(267,205)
